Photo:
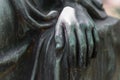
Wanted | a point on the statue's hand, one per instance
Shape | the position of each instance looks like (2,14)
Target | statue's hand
(91,38)
(66,33)
(80,34)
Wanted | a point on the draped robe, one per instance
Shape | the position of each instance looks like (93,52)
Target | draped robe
(51,65)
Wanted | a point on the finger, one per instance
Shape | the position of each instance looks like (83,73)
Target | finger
(96,42)
(90,44)
(72,45)
(82,47)
(59,36)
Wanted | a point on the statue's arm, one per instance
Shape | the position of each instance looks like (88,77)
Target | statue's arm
(24,7)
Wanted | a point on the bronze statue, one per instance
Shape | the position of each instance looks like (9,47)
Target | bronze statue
(54,39)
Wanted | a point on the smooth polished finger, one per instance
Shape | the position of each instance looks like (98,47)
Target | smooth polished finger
(59,36)
(72,46)
(90,44)
(96,42)
(82,47)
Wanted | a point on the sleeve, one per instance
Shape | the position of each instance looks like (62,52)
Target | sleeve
(94,8)
(26,10)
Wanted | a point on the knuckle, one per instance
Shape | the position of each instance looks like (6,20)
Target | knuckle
(87,25)
(82,24)
(90,25)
